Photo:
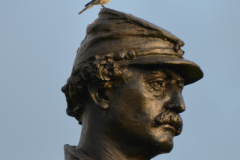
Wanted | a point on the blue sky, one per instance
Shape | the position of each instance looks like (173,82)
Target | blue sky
(38,43)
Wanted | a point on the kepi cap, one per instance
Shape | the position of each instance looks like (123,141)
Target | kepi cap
(137,42)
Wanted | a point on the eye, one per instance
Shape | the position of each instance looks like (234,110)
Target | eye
(157,84)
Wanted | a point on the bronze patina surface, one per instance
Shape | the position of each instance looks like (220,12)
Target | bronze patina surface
(126,89)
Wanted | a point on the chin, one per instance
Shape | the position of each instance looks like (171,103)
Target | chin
(165,143)
(160,145)
(162,139)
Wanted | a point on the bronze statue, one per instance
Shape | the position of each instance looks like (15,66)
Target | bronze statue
(125,89)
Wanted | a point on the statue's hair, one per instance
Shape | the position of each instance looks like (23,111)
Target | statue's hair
(99,70)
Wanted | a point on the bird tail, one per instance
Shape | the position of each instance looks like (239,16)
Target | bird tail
(87,6)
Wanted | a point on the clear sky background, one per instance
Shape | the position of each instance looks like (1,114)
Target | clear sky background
(38,43)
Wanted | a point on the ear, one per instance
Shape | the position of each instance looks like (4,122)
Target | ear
(98,96)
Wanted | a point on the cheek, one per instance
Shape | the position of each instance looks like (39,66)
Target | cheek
(130,104)
(139,106)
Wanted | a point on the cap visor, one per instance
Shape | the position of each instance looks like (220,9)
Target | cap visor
(190,71)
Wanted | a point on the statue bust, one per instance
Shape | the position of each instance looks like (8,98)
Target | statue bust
(125,89)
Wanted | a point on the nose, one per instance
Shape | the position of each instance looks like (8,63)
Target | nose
(176,103)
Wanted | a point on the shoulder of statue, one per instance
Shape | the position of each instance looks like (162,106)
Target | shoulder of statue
(71,153)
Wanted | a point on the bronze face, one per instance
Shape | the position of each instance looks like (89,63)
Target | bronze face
(144,109)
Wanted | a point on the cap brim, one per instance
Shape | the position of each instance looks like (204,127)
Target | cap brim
(190,71)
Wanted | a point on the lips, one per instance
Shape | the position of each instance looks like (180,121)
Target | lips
(170,118)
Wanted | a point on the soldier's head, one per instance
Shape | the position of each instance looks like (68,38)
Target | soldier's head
(127,80)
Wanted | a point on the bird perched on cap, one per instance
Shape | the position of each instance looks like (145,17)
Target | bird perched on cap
(94,2)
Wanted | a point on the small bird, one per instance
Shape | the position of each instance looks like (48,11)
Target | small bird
(94,2)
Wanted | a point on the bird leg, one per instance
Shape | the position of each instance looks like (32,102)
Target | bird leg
(102,5)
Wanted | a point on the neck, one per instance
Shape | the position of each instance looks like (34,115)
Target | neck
(99,148)
(96,145)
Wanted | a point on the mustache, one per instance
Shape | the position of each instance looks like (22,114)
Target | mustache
(171,118)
